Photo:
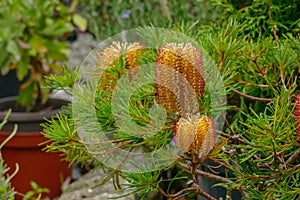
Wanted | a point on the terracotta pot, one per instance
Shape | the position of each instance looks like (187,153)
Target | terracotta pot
(46,169)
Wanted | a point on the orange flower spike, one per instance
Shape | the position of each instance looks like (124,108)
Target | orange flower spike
(195,135)
(116,50)
(185,61)
(130,51)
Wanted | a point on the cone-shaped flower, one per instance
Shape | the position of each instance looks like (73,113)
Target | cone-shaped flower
(195,135)
(178,67)
(127,51)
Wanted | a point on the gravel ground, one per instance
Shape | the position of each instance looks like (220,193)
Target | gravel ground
(80,49)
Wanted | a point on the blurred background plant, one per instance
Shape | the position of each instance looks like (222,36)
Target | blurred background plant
(107,18)
(33,43)
(263,17)
(34,34)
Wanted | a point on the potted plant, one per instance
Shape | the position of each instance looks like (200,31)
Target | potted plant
(257,150)
(33,46)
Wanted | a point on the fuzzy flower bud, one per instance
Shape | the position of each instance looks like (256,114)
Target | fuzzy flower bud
(195,135)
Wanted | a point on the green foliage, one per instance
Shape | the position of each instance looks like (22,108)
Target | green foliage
(63,137)
(257,146)
(36,192)
(261,68)
(64,82)
(6,190)
(143,183)
(264,73)
(32,41)
(263,17)
(270,142)
(103,15)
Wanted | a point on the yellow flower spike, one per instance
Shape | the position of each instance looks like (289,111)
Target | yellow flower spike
(195,135)
(129,51)
(186,61)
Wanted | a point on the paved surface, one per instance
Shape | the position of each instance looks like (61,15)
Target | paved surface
(81,189)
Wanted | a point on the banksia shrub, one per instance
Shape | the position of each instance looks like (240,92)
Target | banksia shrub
(255,155)
(195,135)
(176,63)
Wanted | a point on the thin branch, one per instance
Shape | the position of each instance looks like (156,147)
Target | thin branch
(252,84)
(183,192)
(235,137)
(219,163)
(163,192)
(252,97)
(107,151)
(227,123)
(205,174)
(272,22)
(293,157)
(207,196)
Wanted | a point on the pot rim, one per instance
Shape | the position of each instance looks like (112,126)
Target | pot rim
(37,116)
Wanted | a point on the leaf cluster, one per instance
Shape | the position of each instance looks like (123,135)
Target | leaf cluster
(263,17)
(32,42)
(260,125)
(136,13)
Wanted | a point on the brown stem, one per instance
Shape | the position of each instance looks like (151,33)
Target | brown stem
(206,195)
(226,165)
(252,97)
(293,158)
(183,192)
(163,192)
(235,137)
(251,84)
(227,123)
(111,149)
(271,20)
(205,174)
